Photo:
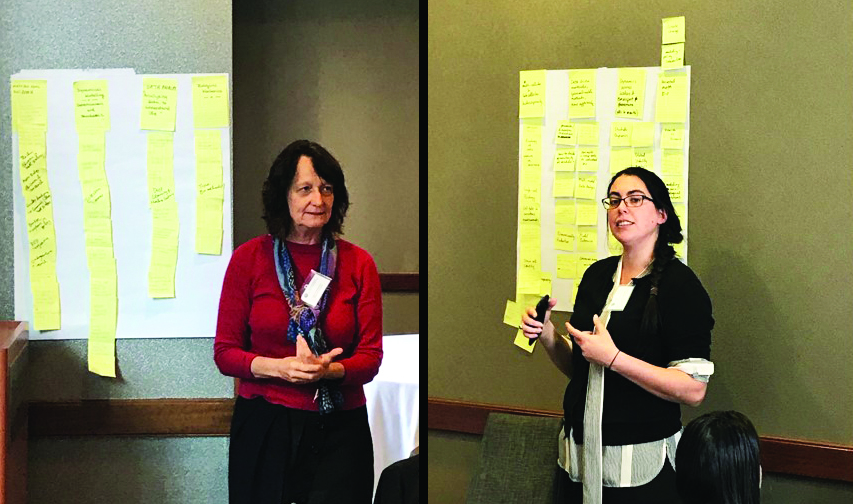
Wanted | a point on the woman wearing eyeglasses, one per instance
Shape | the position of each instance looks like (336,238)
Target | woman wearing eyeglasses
(638,347)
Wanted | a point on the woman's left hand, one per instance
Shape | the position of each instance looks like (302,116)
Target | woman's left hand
(597,346)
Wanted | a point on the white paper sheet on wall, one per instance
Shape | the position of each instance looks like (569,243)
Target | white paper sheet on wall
(198,278)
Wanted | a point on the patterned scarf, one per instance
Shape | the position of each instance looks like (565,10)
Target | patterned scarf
(303,318)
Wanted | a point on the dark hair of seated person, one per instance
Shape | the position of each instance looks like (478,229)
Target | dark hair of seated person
(718,460)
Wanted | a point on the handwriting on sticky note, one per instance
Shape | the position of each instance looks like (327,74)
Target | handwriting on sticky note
(564,159)
(586,187)
(620,134)
(643,157)
(531,93)
(672,136)
(564,238)
(566,133)
(671,106)
(584,262)
(675,185)
(582,93)
(672,30)
(672,56)
(588,159)
(587,239)
(630,93)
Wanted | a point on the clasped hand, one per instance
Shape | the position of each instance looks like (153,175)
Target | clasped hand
(306,367)
(596,346)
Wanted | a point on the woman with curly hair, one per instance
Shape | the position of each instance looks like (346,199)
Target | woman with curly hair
(300,324)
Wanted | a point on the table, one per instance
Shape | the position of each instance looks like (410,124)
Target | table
(392,402)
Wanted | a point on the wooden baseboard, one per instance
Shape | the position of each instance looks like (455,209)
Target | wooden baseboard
(132,417)
(778,455)
(399,282)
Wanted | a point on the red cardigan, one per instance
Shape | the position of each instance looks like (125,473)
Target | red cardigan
(253,318)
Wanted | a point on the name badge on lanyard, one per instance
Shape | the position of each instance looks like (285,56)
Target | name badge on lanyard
(620,298)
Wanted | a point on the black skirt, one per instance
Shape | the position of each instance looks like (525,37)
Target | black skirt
(283,455)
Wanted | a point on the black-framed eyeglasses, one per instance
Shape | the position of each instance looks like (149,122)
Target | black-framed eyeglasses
(632,200)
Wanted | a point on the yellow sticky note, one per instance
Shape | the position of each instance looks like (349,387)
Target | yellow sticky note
(210,102)
(673,30)
(672,56)
(630,93)
(208,238)
(581,93)
(564,238)
(643,157)
(671,106)
(584,262)
(29,104)
(566,266)
(531,155)
(92,105)
(529,212)
(159,104)
(512,314)
(585,188)
(587,159)
(672,136)
(564,159)
(672,162)
(528,280)
(160,162)
(521,341)
(545,284)
(587,133)
(620,159)
(46,305)
(530,193)
(529,238)
(643,134)
(620,134)
(564,211)
(587,239)
(101,357)
(675,185)
(566,133)
(531,96)
(564,185)
(587,213)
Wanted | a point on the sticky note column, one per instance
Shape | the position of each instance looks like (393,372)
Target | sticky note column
(209,192)
(210,113)
(41,232)
(164,215)
(29,120)
(92,119)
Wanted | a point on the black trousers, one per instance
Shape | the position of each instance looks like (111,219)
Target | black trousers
(660,490)
(282,455)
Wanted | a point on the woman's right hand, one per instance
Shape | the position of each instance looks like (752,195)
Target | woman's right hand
(305,367)
(534,329)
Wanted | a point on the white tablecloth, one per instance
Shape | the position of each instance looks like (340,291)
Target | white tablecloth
(392,402)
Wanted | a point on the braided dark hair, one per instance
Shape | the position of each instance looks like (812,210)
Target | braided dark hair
(668,232)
